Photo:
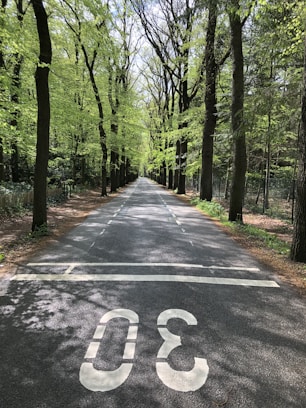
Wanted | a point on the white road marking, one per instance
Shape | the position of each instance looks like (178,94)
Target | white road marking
(124,264)
(92,349)
(146,264)
(143,278)
(109,222)
(178,222)
(191,243)
(73,265)
(102,232)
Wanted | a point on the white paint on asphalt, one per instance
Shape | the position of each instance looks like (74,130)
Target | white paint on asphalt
(144,278)
(102,232)
(109,222)
(92,349)
(72,266)
(100,380)
(147,264)
(183,381)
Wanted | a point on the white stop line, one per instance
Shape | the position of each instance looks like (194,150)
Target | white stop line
(67,276)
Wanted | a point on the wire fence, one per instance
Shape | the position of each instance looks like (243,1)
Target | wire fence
(277,200)
(10,202)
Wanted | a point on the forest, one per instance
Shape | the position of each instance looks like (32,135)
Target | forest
(208,94)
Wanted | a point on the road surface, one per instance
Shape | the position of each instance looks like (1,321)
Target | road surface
(148,304)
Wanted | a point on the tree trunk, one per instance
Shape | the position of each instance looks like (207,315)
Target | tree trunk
(181,188)
(43,117)
(170,179)
(266,205)
(210,106)
(2,66)
(298,248)
(239,145)
(15,116)
(177,165)
(113,175)
(123,170)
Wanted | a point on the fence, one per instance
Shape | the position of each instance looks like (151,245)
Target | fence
(280,202)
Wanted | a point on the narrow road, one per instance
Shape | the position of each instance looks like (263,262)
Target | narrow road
(148,304)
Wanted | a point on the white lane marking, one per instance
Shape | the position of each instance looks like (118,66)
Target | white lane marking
(191,243)
(91,246)
(144,278)
(146,264)
(178,222)
(102,232)
(109,222)
(115,215)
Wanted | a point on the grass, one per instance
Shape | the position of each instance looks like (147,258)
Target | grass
(264,238)
(211,208)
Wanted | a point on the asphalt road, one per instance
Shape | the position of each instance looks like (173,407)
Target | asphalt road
(148,304)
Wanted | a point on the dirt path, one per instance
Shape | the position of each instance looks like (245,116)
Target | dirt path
(18,245)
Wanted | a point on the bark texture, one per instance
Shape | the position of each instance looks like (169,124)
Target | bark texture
(298,248)
(43,117)
(239,145)
(210,106)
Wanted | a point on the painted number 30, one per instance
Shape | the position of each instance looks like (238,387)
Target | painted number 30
(99,380)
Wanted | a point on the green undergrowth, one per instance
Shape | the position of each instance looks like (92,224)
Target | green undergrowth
(211,208)
(264,238)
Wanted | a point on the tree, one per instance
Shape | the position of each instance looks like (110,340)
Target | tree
(90,62)
(2,67)
(43,116)
(210,105)
(238,129)
(298,247)
(170,33)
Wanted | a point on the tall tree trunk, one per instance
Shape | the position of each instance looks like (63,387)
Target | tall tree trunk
(123,169)
(15,116)
(43,117)
(102,134)
(2,66)
(181,188)
(266,205)
(239,145)
(177,165)
(210,106)
(298,248)
(113,172)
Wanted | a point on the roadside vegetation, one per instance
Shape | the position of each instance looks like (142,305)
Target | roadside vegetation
(269,247)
